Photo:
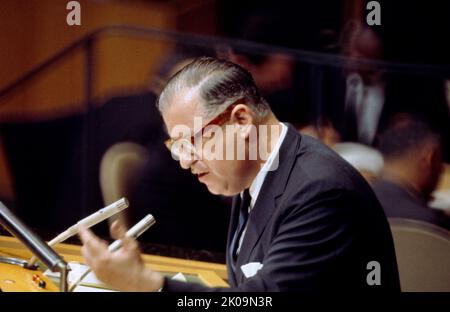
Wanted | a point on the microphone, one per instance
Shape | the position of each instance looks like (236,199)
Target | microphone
(47,255)
(89,221)
(133,232)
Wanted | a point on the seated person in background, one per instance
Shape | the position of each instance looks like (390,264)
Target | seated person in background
(412,166)
(277,75)
(323,131)
(365,85)
(302,218)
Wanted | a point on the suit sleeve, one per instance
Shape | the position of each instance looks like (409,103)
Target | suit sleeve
(311,238)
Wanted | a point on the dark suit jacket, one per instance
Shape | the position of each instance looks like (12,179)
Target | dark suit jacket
(315,226)
(397,202)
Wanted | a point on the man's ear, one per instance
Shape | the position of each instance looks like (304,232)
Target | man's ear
(431,167)
(242,116)
(426,157)
(431,157)
(436,159)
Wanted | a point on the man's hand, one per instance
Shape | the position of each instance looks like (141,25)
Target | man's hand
(122,269)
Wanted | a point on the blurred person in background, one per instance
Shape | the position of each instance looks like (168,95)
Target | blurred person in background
(412,165)
(364,85)
(373,95)
(275,73)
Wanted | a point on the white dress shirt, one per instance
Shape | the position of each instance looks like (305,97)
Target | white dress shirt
(270,165)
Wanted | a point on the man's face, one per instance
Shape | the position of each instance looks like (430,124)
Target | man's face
(221,176)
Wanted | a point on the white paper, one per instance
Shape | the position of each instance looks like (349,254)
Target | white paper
(76,270)
(441,200)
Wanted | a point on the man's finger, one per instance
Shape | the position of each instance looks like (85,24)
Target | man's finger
(118,230)
(84,234)
(93,245)
(129,244)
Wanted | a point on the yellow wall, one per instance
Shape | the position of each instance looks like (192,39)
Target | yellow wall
(33,30)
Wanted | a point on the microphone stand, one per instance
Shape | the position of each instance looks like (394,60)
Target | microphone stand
(37,246)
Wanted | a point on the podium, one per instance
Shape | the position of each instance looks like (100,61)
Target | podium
(14,278)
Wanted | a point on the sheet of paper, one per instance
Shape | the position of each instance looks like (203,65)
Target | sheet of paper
(76,270)
(91,283)
(441,200)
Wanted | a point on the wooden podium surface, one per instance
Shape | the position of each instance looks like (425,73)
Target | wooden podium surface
(15,278)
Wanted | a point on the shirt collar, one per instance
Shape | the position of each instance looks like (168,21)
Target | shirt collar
(269,165)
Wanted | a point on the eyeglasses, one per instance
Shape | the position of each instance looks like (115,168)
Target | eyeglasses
(186,146)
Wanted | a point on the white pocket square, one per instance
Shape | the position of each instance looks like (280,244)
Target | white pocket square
(250,269)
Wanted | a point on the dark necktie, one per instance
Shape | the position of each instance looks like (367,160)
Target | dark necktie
(243,216)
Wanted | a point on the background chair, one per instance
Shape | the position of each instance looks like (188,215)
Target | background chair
(423,255)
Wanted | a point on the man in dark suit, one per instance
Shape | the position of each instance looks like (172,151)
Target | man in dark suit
(412,165)
(302,218)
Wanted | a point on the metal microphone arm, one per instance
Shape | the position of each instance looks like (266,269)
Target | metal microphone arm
(37,246)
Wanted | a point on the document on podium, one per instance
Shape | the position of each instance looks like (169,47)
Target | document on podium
(91,283)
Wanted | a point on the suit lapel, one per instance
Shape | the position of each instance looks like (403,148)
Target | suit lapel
(266,203)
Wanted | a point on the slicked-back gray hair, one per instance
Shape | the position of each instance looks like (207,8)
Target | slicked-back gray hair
(220,83)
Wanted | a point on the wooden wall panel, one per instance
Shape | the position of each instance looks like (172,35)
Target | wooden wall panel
(33,30)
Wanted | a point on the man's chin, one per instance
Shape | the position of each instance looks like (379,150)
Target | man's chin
(216,189)
(221,191)
(213,190)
